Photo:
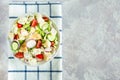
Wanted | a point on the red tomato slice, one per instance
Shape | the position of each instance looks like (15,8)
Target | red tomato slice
(40,56)
(19,25)
(39,44)
(19,55)
(16,36)
(34,23)
(52,43)
(45,18)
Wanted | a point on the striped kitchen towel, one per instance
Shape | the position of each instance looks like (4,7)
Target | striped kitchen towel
(49,71)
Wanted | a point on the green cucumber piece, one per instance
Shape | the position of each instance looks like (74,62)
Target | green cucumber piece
(51,37)
(14,45)
(45,26)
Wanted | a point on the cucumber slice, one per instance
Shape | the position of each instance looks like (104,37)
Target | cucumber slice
(51,37)
(15,45)
(45,26)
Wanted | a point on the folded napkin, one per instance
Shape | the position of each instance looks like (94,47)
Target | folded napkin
(49,71)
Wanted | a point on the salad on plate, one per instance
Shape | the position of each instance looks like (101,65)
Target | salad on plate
(34,39)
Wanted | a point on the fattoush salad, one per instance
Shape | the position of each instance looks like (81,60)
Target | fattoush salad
(34,39)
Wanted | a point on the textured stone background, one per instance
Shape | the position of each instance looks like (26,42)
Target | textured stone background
(91,39)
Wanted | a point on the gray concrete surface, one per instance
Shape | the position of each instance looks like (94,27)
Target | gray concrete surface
(91,39)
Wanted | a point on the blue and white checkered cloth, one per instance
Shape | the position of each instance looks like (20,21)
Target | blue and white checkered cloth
(49,71)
